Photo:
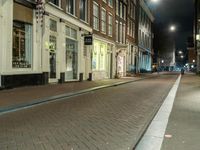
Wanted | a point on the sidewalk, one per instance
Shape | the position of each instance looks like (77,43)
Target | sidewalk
(20,97)
(183,128)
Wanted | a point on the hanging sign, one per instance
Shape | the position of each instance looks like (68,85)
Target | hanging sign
(88,40)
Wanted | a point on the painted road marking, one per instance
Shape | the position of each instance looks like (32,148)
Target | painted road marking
(154,136)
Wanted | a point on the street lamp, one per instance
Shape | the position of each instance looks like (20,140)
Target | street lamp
(154,1)
(172,28)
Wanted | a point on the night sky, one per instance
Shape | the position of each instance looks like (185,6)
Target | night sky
(178,12)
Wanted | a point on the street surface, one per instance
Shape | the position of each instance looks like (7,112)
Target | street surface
(108,119)
(184,122)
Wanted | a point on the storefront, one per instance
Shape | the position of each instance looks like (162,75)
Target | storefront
(63,47)
(19,64)
(102,60)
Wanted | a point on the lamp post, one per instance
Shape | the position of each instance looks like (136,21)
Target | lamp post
(172,29)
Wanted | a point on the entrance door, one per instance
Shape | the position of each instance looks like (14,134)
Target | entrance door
(52,57)
(71,60)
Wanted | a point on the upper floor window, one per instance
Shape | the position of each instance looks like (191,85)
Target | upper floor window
(110,3)
(124,13)
(71,6)
(117,30)
(110,20)
(121,9)
(83,10)
(103,20)
(95,16)
(55,2)
(117,7)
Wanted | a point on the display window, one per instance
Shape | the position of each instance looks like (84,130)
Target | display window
(22,45)
(99,56)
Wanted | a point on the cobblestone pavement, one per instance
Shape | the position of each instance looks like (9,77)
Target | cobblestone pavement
(184,121)
(107,119)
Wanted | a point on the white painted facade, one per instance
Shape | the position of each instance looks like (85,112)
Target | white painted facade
(84,52)
(103,64)
(6,43)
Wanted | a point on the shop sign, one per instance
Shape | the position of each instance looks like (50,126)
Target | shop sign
(88,40)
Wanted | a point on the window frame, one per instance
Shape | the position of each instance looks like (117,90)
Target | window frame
(96,17)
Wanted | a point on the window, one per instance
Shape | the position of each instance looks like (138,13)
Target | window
(110,20)
(103,20)
(95,16)
(124,12)
(128,27)
(121,5)
(110,3)
(120,33)
(117,7)
(133,29)
(132,10)
(52,25)
(71,6)
(117,31)
(22,45)
(55,2)
(83,10)
(124,38)
(70,32)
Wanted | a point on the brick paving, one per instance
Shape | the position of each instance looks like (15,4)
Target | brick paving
(107,119)
(26,94)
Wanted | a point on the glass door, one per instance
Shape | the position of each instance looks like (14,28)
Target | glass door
(71,60)
(52,57)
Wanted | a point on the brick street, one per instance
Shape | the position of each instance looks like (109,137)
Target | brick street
(108,119)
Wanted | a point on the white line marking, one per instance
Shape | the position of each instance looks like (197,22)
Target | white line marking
(153,137)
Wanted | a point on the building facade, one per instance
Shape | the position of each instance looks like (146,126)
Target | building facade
(132,28)
(103,54)
(56,41)
(20,55)
(145,38)
(65,57)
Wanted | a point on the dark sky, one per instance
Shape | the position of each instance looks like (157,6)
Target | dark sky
(178,12)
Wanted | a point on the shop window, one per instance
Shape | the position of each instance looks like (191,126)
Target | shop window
(83,10)
(99,56)
(22,45)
